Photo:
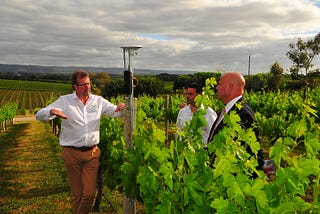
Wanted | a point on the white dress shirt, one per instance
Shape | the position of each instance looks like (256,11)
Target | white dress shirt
(185,115)
(81,128)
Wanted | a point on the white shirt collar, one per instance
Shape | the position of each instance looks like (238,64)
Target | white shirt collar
(75,96)
(201,107)
(231,103)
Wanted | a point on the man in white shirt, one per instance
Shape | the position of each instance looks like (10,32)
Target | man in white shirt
(186,113)
(81,113)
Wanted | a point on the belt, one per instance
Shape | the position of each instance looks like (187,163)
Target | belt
(82,148)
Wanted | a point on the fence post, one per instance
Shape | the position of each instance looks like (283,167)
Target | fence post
(166,121)
(1,126)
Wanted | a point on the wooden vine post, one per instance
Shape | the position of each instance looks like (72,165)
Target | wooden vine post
(166,120)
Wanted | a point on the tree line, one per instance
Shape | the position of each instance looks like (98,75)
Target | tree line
(155,85)
(301,75)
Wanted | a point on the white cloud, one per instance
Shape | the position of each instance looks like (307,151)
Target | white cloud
(199,35)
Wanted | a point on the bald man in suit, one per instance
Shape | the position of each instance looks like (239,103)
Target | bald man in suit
(230,91)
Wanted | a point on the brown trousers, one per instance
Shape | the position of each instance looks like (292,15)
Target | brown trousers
(82,168)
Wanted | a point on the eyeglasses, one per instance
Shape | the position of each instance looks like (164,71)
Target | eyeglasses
(84,84)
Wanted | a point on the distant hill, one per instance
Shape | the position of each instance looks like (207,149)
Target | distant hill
(5,68)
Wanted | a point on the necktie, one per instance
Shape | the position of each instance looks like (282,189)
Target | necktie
(217,123)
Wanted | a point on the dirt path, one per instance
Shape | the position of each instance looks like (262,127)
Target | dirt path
(24,119)
(32,175)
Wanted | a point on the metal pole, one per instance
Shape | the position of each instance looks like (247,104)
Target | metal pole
(249,64)
(129,203)
(124,59)
(131,51)
(132,110)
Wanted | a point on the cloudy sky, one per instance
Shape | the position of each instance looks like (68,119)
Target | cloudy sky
(192,35)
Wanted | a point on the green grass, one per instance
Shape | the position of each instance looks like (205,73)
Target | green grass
(33,179)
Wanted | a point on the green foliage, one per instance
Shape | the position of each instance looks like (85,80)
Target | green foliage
(175,177)
(8,111)
(200,77)
(209,97)
(113,150)
(258,82)
(145,85)
(149,85)
(302,54)
(174,107)
(168,176)
(114,88)
(182,81)
(154,107)
(276,69)
(276,76)
(276,111)
(297,174)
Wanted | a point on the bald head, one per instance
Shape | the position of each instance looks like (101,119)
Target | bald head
(231,85)
(236,79)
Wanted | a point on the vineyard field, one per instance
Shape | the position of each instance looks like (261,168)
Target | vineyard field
(174,174)
(30,95)
(35,86)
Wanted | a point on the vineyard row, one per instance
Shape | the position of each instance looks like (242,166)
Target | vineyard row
(26,100)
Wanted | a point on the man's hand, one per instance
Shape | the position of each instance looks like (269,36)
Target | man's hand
(58,113)
(182,105)
(120,107)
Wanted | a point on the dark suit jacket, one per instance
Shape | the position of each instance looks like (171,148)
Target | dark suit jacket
(247,119)
(246,115)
